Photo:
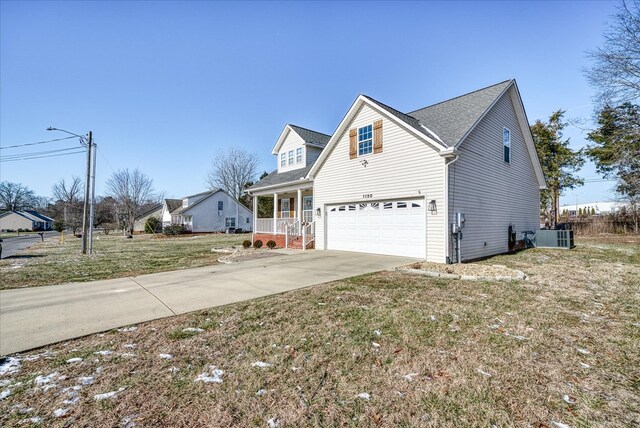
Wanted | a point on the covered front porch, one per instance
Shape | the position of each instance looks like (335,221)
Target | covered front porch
(290,222)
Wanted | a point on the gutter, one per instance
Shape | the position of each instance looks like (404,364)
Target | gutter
(274,186)
(450,155)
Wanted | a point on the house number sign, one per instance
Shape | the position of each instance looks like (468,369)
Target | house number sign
(367,196)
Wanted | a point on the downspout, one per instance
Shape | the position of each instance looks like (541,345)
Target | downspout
(450,157)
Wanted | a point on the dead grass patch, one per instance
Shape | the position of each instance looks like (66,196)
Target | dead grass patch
(429,352)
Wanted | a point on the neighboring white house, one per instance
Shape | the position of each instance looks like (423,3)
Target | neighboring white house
(393,183)
(211,211)
(25,220)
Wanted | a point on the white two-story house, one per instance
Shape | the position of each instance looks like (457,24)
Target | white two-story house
(405,184)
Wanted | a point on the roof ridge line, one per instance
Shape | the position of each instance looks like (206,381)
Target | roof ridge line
(308,129)
(459,96)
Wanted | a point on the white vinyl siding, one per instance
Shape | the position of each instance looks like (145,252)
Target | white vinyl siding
(207,218)
(292,142)
(393,174)
(491,193)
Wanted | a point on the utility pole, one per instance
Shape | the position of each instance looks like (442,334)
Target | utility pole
(85,216)
(93,196)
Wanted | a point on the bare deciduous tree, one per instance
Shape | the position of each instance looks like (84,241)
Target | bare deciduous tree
(132,190)
(70,194)
(616,69)
(15,196)
(232,169)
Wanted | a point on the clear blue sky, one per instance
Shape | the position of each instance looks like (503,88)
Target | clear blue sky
(165,85)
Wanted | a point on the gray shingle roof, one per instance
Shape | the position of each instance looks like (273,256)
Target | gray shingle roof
(452,119)
(284,177)
(173,204)
(310,136)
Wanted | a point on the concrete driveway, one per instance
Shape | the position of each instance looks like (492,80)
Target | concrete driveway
(34,317)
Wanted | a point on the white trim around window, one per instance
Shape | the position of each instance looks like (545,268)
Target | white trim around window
(506,145)
(299,155)
(365,140)
(290,157)
(283,159)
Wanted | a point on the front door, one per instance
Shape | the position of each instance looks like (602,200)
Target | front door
(285,208)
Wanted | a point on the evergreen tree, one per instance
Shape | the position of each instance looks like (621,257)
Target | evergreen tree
(559,162)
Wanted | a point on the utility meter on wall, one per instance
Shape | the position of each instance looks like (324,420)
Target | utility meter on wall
(460,220)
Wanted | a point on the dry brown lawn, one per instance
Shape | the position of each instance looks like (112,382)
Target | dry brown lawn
(562,347)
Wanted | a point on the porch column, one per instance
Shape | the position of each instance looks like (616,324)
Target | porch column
(300,205)
(275,213)
(255,213)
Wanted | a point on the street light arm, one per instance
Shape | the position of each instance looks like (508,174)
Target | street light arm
(82,137)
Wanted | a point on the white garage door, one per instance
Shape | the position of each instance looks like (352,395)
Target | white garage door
(385,227)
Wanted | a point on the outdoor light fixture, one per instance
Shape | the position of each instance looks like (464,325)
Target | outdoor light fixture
(432,206)
(318,212)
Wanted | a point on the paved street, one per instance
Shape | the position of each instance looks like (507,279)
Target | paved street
(11,246)
(34,317)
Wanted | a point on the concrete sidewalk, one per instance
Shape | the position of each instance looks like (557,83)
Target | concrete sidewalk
(34,317)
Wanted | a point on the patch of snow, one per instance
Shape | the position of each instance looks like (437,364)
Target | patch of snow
(58,413)
(103,353)
(4,394)
(215,376)
(272,423)
(409,377)
(74,360)
(568,399)
(166,356)
(173,369)
(99,369)
(9,365)
(321,304)
(4,382)
(35,420)
(72,400)
(364,396)
(107,395)
(128,421)
(583,351)
(375,345)
(260,364)
(483,373)
(377,332)
(560,424)
(261,392)
(433,317)
(43,380)
(127,329)
(128,355)
(584,366)
(130,345)
(192,330)
(519,338)
(22,409)
(295,369)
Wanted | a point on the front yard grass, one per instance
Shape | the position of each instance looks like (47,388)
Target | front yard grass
(385,349)
(114,256)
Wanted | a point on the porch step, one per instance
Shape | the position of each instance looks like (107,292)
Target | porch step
(296,244)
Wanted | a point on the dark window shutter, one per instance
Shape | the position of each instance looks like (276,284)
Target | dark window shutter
(353,143)
(377,136)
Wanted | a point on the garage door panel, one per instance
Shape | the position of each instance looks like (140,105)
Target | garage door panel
(385,227)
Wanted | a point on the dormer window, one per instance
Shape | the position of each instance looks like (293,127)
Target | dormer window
(299,155)
(290,157)
(283,159)
(365,140)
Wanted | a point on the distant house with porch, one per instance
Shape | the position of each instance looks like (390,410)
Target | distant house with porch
(211,211)
(25,220)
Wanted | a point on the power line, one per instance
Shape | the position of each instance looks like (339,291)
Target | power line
(46,152)
(44,156)
(37,142)
(105,158)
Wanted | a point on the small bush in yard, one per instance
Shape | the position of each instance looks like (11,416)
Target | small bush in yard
(246,243)
(271,244)
(174,229)
(152,225)
(257,243)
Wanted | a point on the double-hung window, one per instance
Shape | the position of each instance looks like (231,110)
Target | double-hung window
(283,159)
(365,140)
(220,205)
(290,157)
(299,155)
(506,144)
(230,222)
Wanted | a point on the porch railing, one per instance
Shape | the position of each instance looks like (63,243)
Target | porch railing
(283,225)
(308,234)
(264,225)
